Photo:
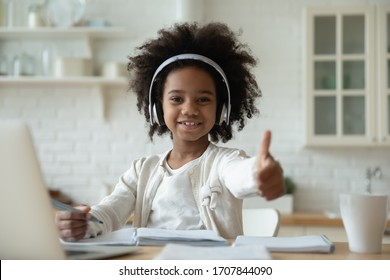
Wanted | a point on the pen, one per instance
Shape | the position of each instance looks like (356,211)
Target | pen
(62,206)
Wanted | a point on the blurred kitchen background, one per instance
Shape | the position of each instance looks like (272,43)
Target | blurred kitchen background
(63,71)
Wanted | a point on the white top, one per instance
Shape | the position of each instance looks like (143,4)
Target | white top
(174,206)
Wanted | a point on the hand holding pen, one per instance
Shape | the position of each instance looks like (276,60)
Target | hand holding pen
(72,223)
(62,206)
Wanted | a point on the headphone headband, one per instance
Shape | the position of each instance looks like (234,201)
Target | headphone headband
(192,56)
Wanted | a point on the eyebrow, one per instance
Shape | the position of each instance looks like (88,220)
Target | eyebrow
(173,91)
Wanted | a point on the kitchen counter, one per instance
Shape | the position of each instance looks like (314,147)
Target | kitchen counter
(297,224)
(312,219)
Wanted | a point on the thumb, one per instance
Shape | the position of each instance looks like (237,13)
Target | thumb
(83,208)
(265,145)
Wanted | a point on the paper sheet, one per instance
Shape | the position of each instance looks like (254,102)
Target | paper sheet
(188,252)
(120,237)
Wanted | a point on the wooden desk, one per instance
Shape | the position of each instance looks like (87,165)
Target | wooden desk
(341,253)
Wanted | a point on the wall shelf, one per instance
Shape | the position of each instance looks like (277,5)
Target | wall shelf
(99,85)
(57,32)
(63,81)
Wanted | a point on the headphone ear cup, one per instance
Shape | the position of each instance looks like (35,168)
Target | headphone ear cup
(222,115)
(158,115)
(155,118)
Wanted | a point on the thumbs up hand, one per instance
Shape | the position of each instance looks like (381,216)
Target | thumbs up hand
(268,172)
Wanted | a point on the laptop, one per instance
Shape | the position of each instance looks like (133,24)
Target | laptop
(27,223)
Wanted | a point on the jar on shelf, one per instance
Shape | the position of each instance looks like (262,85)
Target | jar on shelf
(27,65)
(23,65)
(16,71)
(3,65)
(35,15)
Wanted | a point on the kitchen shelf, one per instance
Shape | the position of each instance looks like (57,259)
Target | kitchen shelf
(63,81)
(89,35)
(57,32)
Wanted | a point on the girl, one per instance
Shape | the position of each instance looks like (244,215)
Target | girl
(193,82)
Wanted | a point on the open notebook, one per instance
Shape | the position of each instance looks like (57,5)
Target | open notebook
(27,223)
(155,237)
(306,243)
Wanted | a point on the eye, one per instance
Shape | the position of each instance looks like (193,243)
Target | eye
(204,100)
(176,99)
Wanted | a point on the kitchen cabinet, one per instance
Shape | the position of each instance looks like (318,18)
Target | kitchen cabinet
(384,75)
(347,76)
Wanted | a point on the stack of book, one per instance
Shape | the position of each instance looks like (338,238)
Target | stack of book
(303,244)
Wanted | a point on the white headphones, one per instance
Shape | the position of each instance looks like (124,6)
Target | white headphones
(156,112)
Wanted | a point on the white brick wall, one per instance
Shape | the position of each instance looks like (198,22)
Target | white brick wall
(81,153)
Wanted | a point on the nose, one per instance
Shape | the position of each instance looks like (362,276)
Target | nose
(189,108)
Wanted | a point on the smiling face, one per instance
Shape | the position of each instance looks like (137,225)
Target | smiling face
(189,104)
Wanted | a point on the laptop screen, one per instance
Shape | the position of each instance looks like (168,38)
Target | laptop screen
(28,230)
(26,215)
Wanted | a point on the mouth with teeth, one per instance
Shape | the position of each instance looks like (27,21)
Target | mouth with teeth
(190,123)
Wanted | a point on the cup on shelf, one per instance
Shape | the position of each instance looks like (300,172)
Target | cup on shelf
(72,66)
(364,217)
(114,70)
(47,61)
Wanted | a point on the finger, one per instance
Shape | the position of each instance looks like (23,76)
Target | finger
(83,208)
(265,144)
(269,168)
(70,215)
(272,181)
(73,234)
(71,239)
(71,224)
(80,236)
(273,193)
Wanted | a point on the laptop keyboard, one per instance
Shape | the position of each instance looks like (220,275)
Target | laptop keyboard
(72,253)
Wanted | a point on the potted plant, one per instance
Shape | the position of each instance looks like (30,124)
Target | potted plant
(288,198)
(289,185)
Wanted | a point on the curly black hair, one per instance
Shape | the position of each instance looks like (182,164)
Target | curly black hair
(215,41)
